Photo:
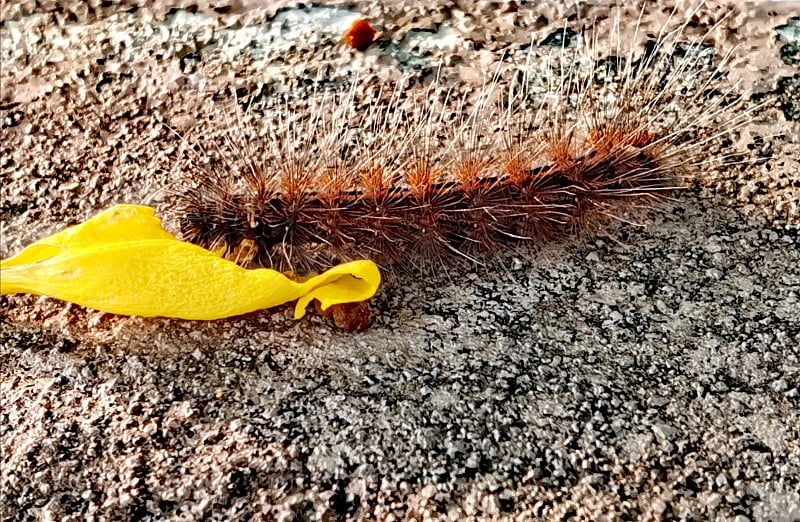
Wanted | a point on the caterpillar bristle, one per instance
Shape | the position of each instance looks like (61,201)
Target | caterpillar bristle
(418,179)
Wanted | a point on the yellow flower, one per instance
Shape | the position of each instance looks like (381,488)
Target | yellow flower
(122,261)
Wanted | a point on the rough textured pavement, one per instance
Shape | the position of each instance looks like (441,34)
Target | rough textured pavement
(650,374)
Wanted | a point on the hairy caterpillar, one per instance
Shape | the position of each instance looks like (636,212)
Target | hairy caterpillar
(428,175)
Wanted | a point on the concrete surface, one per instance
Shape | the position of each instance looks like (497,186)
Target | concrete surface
(650,374)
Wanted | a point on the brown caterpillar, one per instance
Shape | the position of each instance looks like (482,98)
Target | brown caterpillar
(414,185)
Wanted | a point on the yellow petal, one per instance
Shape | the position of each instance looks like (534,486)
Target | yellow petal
(122,261)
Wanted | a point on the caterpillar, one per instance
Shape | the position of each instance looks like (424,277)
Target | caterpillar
(419,177)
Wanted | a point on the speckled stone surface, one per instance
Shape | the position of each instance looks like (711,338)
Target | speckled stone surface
(652,374)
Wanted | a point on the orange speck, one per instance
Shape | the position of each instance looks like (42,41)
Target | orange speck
(360,35)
